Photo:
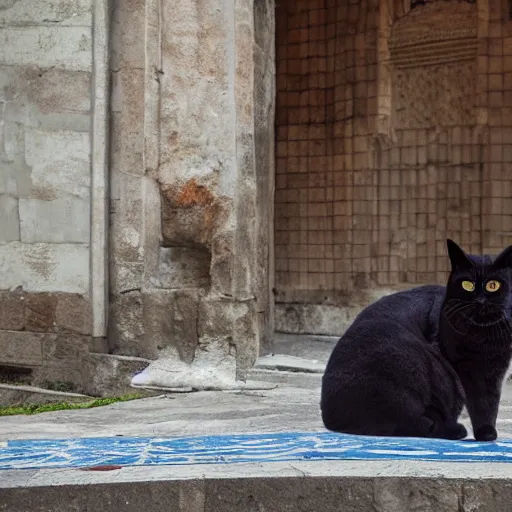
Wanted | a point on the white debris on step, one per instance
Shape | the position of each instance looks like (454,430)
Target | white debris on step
(213,368)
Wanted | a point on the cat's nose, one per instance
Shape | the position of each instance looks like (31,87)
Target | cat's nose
(480,300)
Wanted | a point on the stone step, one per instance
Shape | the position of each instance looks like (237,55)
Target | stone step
(349,486)
(291,379)
(11,394)
(291,371)
(111,375)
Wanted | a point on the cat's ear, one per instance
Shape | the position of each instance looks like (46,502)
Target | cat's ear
(504,259)
(458,257)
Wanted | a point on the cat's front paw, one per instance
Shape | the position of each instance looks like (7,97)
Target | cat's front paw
(486,433)
(455,432)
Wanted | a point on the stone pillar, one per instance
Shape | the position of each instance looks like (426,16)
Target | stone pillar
(198,245)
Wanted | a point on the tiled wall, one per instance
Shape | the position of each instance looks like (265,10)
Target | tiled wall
(324,206)
(383,152)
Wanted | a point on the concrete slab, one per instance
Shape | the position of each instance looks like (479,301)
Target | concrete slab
(278,410)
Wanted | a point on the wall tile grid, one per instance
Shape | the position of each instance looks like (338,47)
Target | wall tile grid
(495,71)
(318,106)
(359,206)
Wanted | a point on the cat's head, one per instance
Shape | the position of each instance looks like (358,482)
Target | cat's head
(479,288)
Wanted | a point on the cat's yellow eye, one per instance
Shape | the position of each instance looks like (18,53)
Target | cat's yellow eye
(492,285)
(469,286)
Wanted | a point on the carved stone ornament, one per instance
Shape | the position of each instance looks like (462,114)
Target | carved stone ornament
(440,31)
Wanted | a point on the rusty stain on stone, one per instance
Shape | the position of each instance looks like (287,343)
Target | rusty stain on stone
(193,194)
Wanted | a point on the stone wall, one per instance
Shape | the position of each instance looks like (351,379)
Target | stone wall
(392,136)
(46,100)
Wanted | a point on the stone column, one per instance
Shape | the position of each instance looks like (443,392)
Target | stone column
(202,291)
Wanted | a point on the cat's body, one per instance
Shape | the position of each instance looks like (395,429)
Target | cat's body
(410,361)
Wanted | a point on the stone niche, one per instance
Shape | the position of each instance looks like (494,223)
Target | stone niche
(190,217)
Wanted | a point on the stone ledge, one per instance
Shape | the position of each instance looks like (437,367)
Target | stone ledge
(273,487)
(111,375)
(14,395)
(289,379)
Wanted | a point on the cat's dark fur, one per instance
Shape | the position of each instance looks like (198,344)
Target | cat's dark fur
(410,361)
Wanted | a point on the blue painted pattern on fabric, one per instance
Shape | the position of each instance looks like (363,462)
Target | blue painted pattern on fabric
(228,449)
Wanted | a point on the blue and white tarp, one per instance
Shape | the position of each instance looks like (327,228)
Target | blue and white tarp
(229,449)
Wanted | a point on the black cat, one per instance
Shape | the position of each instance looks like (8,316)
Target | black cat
(410,361)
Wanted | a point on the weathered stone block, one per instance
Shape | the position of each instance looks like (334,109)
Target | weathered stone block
(222,263)
(21,348)
(65,348)
(126,136)
(53,100)
(315,318)
(183,267)
(171,320)
(53,91)
(32,12)
(59,221)
(73,313)
(9,178)
(292,494)
(127,326)
(15,177)
(12,311)
(264,25)
(126,220)
(44,312)
(67,373)
(9,219)
(391,495)
(108,375)
(60,163)
(126,277)
(127,25)
(126,239)
(14,141)
(40,311)
(482,497)
(185,226)
(61,47)
(245,327)
(197,33)
(215,319)
(45,267)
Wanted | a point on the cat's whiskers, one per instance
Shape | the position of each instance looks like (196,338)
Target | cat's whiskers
(457,309)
